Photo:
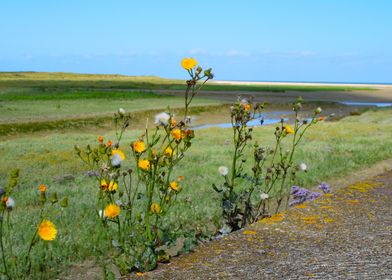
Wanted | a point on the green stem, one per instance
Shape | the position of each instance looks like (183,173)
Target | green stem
(2,246)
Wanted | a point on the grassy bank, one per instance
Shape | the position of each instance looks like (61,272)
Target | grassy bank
(98,121)
(24,107)
(330,150)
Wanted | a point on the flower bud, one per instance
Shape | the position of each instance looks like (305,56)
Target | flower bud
(53,198)
(42,197)
(318,110)
(64,202)
(208,73)
(198,70)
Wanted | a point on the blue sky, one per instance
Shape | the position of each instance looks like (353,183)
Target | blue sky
(276,40)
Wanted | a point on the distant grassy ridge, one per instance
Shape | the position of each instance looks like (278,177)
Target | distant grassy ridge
(43,80)
(71,94)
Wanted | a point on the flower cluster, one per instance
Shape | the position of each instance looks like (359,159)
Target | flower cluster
(137,185)
(245,197)
(301,195)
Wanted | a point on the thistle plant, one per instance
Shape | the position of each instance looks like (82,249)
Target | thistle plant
(136,184)
(249,195)
(18,266)
(241,113)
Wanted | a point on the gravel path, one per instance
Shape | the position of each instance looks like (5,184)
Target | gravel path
(346,235)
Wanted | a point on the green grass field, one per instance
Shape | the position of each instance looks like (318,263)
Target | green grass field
(330,149)
(42,117)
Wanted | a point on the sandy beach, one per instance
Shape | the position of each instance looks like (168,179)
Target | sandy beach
(227,82)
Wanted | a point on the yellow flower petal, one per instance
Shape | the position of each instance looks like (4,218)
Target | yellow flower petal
(144,164)
(139,146)
(112,210)
(188,63)
(47,230)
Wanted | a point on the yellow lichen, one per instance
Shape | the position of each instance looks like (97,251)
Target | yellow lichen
(310,219)
(301,206)
(352,201)
(273,219)
(249,232)
(328,220)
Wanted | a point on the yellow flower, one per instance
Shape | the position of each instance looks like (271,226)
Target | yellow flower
(118,152)
(47,230)
(139,146)
(144,164)
(174,186)
(155,208)
(247,107)
(288,129)
(112,210)
(104,185)
(176,133)
(168,152)
(112,186)
(42,188)
(188,63)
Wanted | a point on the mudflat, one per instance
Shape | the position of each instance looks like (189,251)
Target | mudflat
(378,93)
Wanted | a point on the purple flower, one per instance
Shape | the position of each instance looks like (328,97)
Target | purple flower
(294,189)
(313,195)
(324,187)
(301,195)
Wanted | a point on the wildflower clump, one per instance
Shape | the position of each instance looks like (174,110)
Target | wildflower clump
(137,183)
(18,265)
(248,195)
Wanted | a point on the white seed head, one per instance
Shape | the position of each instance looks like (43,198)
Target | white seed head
(264,196)
(121,111)
(244,101)
(303,167)
(10,203)
(116,160)
(162,118)
(223,170)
